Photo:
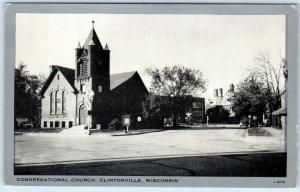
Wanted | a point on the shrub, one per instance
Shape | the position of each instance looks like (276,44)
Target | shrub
(115,124)
(218,114)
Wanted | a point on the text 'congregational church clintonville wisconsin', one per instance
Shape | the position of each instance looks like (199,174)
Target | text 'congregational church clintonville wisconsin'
(69,96)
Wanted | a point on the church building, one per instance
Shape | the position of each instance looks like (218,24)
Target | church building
(69,96)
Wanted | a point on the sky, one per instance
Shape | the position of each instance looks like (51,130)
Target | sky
(223,47)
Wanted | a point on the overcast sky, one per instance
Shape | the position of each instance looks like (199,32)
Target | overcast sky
(222,47)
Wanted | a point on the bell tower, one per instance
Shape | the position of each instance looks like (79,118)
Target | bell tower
(92,77)
(92,65)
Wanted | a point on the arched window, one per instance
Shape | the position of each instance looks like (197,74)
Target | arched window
(51,103)
(57,103)
(63,102)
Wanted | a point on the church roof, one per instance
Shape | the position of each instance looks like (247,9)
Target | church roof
(115,79)
(93,40)
(68,73)
(119,78)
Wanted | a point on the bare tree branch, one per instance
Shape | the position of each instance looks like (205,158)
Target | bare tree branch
(270,74)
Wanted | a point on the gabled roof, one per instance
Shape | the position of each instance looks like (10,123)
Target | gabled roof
(93,40)
(68,73)
(115,79)
(119,78)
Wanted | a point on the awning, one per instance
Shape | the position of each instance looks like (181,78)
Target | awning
(280,111)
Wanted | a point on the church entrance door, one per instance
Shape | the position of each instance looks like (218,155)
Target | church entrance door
(83,115)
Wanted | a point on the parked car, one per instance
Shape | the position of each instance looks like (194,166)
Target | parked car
(244,122)
(168,122)
(28,125)
(22,123)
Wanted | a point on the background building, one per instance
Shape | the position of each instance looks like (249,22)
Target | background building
(175,109)
(221,99)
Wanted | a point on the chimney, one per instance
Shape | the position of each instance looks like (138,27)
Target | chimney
(221,92)
(51,67)
(231,88)
(215,92)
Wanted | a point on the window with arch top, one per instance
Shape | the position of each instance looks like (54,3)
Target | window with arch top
(51,103)
(57,102)
(63,102)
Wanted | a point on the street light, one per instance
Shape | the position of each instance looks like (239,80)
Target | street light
(249,119)
(139,120)
(207,119)
(90,99)
(173,108)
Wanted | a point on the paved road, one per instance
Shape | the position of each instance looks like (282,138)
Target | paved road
(39,148)
(258,164)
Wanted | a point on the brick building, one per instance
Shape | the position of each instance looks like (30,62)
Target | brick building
(69,96)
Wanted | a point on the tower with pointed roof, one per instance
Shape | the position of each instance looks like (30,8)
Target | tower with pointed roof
(92,72)
(92,64)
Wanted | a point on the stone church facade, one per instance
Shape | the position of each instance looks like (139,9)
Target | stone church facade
(69,96)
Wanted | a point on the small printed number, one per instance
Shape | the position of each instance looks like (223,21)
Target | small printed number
(278,181)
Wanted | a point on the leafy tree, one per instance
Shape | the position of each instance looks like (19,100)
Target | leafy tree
(27,102)
(173,82)
(251,97)
(218,114)
(155,108)
(176,81)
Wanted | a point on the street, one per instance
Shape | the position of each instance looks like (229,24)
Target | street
(257,164)
(188,151)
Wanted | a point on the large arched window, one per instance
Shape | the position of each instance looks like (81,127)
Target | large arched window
(63,102)
(57,102)
(51,103)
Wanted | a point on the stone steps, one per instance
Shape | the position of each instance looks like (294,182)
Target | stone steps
(74,131)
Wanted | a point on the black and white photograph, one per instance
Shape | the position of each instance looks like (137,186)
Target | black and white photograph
(161,96)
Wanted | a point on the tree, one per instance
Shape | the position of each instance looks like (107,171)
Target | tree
(271,75)
(27,101)
(176,81)
(173,82)
(155,109)
(251,97)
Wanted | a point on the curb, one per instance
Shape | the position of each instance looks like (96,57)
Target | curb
(138,133)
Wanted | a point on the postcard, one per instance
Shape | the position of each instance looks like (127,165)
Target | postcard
(191,95)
